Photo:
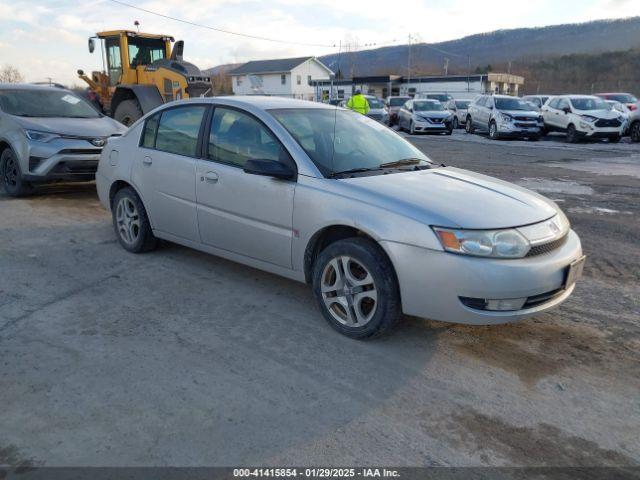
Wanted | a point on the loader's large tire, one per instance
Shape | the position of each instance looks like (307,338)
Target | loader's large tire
(127,112)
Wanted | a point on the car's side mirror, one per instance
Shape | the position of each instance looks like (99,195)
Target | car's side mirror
(269,168)
(92,45)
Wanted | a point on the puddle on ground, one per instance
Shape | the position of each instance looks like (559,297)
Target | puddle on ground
(543,185)
(626,166)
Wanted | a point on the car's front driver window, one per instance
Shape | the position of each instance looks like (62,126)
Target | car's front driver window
(236,137)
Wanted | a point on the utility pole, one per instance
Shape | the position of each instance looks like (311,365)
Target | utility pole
(446,66)
(468,73)
(509,69)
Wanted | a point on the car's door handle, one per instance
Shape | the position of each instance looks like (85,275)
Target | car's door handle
(147,160)
(210,177)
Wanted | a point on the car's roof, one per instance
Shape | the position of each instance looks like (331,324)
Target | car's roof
(28,86)
(263,102)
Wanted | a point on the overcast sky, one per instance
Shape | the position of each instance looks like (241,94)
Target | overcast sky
(49,38)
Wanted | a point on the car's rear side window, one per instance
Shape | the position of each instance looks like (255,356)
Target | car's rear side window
(178,130)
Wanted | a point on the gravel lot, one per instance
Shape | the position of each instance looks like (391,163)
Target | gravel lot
(179,358)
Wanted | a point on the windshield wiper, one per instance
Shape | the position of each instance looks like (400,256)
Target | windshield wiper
(353,170)
(402,163)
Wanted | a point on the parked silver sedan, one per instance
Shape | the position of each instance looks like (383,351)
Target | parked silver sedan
(329,197)
(49,134)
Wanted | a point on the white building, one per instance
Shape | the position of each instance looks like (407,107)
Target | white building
(285,77)
(463,86)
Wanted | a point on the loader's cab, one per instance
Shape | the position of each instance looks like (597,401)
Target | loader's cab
(141,71)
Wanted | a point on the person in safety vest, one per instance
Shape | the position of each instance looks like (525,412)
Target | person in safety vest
(358,103)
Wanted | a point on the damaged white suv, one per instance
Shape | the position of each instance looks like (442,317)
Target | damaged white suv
(583,117)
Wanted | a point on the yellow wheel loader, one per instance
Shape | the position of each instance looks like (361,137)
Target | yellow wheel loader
(140,72)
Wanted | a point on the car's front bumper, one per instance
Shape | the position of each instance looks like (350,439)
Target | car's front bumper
(513,130)
(61,159)
(433,282)
(431,127)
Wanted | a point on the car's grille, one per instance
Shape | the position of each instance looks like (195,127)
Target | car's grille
(525,125)
(80,151)
(613,122)
(436,120)
(547,247)
(87,166)
(522,118)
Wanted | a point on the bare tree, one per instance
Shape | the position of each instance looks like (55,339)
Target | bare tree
(9,74)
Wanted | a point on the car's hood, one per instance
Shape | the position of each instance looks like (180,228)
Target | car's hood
(80,127)
(376,111)
(606,114)
(452,197)
(433,114)
(522,113)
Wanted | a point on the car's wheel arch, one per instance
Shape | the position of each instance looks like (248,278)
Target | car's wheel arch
(118,185)
(329,234)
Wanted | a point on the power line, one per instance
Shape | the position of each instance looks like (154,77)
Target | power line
(220,30)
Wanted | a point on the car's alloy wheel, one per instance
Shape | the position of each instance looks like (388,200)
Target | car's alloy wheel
(12,179)
(493,131)
(127,221)
(572,136)
(412,129)
(635,132)
(131,223)
(356,287)
(468,126)
(349,292)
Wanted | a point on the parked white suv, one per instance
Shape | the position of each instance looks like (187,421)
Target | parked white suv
(582,116)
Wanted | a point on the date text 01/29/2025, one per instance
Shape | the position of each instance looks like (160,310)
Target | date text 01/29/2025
(315,473)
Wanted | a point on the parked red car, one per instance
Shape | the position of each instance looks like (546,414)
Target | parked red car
(626,98)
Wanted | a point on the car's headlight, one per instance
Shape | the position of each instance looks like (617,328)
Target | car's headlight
(505,117)
(507,243)
(588,118)
(40,136)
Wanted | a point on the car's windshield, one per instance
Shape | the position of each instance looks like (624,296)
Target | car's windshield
(590,103)
(442,97)
(45,103)
(427,105)
(512,104)
(374,102)
(341,140)
(398,101)
(462,104)
(623,98)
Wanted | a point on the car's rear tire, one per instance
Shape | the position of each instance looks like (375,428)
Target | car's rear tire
(468,125)
(356,288)
(449,132)
(572,134)
(493,131)
(615,139)
(544,132)
(131,223)
(127,112)
(11,174)
(534,138)
(634,131)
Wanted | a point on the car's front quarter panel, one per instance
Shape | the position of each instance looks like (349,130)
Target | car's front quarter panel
(13,135)
(321,203)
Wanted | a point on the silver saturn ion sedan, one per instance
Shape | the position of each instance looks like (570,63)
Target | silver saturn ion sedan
(329,197)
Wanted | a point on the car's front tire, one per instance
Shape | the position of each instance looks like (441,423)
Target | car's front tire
(356,288)
(468,126)
(634,131)
(615,139)
(456,124)
(131,223)
(572,134)
(12,180)
(412,129)
(493,131)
